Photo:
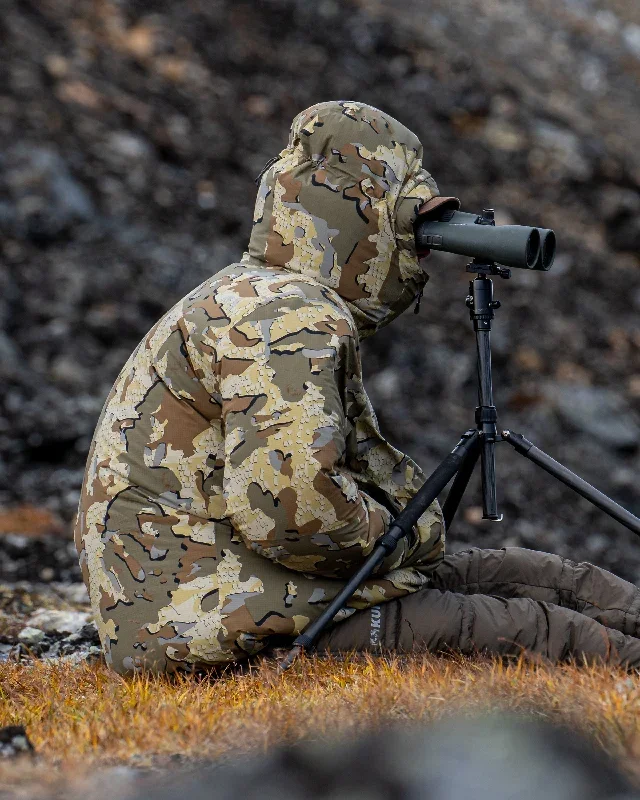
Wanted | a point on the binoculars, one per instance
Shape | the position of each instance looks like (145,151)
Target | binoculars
(478,236)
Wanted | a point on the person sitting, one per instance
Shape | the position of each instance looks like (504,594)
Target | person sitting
(237,476)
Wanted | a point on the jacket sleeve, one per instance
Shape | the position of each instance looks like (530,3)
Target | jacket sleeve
(288,493)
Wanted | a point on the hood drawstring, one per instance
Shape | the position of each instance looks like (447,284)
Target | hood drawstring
(269,163)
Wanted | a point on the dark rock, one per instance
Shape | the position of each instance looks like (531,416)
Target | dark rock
(8,652)
(46,200)
(15,742)
(46,558)
(598,412)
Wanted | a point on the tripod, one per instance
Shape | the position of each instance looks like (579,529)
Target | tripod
(476,443)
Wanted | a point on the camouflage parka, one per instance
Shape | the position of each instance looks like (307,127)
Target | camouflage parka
(237,474)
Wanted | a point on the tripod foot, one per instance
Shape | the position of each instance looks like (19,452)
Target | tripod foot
(288,660)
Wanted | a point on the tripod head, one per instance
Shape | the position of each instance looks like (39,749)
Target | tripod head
(481,268)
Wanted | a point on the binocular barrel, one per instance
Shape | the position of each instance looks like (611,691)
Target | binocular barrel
(472,235)
(547,249)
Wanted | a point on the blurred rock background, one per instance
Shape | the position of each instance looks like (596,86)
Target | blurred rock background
(130,134)
(486,757)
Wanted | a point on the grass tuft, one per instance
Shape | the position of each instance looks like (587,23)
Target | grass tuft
(81,717)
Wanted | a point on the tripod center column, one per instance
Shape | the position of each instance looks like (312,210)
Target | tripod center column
(481,307)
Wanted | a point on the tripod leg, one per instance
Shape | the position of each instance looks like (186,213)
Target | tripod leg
(526,448)
(489,497)
(459,486)
(400,527)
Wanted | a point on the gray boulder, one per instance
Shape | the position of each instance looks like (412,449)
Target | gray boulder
(45,200)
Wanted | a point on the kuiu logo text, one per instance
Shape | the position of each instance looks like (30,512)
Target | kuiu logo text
(376,624)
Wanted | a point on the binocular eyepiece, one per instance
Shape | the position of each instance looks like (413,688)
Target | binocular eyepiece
(477,235)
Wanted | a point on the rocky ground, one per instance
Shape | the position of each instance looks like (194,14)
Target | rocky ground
(48,621)
(129,140)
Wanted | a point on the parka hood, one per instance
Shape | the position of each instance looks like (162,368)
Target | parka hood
(339,205)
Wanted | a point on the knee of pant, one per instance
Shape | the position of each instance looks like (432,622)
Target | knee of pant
(534,567)
(502,626)
(430,618)
(453,572)
(466,570)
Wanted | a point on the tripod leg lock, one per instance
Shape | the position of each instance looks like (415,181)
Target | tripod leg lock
(388,540)
(486,414)
(304,641)
(521,444)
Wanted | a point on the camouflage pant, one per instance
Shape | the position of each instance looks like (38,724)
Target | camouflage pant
(506,602)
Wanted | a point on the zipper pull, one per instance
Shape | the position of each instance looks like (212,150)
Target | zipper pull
(416,310)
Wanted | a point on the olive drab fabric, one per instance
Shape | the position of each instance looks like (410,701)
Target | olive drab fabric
(237,475)
(511,602)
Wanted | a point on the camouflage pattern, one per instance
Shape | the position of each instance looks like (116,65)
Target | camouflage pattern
(339,205)
(237,475)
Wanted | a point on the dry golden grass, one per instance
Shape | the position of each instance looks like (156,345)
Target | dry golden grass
(89,716)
